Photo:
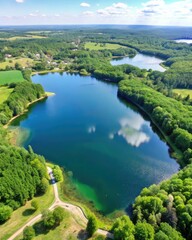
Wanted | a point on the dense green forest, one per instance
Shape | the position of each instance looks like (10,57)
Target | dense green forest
(160,212)
(23,173)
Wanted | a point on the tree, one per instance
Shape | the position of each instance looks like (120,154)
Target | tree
(48,219)
(166,232)
(35,204)
(57,172)
(44,185)
(5,213)
(92,225)
(144,231)
(28,233)
(123,229)
(58,214)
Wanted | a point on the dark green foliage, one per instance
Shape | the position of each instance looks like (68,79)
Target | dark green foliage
(53,219)
(166,232)
(27,74)
(5,213)
(43,186)
(123,229)
(92,225)
(19,179)
(23,94)
(144,231)
(48,219)
(28,233)
(174,205)
(59,214)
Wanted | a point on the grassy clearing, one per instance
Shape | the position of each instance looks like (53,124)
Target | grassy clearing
(25,37)
(68,229)
(25,62)
(183,92)
(26,213)
(102,46)
(4,93)
(7,77)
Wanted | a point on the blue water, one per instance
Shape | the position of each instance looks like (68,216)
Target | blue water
(142,61)
(109,146)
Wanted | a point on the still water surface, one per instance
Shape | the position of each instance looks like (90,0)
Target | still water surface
(109,146)
(142,61)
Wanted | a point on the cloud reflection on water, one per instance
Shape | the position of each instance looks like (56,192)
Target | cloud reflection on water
(131,131)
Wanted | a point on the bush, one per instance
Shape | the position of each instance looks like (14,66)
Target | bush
(28,233)
(35,204)
(92,225)
(5,213)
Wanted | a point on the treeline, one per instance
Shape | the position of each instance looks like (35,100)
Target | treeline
(22,176)
(23,94)
(125,229)
(169,202)
(179,75)
(102,69)
(23,173)
(174,118)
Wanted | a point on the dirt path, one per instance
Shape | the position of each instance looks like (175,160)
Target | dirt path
(75,210)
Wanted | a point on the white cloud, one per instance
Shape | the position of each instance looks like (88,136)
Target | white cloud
(116,9)
(88,13)
(120,5)
(84,4)
(150,12)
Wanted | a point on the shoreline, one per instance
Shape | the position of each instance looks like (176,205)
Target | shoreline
(166,138)
(26,110)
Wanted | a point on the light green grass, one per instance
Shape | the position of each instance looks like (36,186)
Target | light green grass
(183,92)
(4,93)
(7,77)
(25,37)
(25,213)
(102,46)
(25,62)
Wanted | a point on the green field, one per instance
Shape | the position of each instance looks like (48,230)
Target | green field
(183,92)
(23,37)
(25,62)
(4,93)
(102,46)
(7,77)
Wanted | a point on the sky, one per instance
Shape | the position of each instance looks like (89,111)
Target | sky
(136,12)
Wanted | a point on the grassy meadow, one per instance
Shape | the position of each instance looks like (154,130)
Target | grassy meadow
(183,92)
(102,46)
(4,93)
(25,62)
(7,77)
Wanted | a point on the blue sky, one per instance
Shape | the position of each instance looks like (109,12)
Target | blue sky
(152,12)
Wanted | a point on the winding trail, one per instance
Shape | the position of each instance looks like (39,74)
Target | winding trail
(75,210)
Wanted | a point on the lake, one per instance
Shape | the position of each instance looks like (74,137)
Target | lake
(142,61)
(109,146)
(188,41)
